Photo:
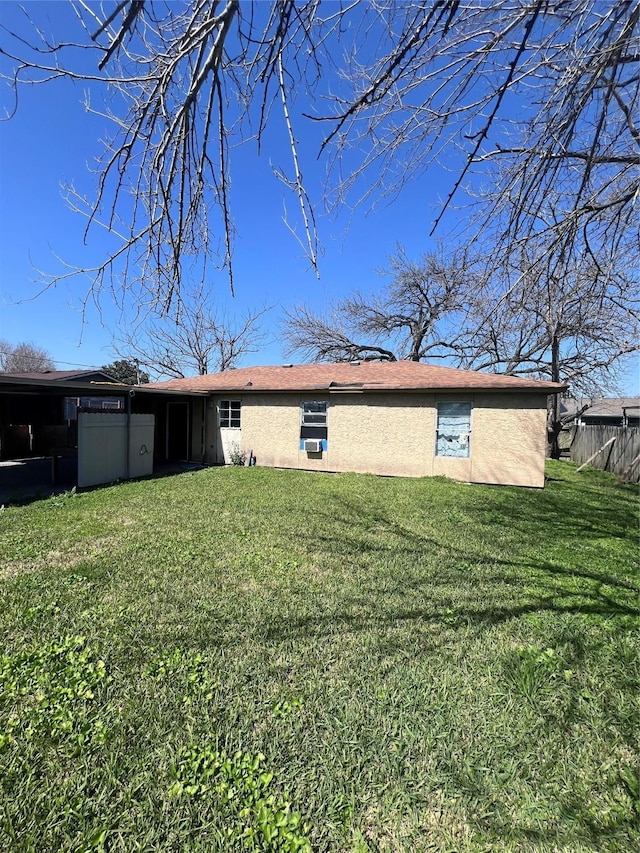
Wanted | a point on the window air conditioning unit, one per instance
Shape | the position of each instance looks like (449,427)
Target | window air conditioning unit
(313,445)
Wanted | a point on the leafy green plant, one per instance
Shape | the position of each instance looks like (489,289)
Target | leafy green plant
(259,819)
(49,691)
(186,669)
(286,707)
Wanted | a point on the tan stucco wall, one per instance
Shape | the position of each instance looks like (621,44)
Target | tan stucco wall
(394,434)
(509,439)
(382,433)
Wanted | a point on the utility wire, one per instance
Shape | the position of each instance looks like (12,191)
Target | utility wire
(55,360)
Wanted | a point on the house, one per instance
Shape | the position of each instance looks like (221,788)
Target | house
(601,411)
(391,418)
(91,375)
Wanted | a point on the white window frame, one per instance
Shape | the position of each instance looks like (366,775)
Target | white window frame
(462,432)
(226,421)
(324,424)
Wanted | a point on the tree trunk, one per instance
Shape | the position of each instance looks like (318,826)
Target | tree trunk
(555,422)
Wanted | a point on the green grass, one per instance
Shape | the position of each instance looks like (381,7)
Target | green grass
(256,659)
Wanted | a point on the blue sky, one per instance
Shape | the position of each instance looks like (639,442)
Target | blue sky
(52,139)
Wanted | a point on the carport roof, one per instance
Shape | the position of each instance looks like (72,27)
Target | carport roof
(14,383)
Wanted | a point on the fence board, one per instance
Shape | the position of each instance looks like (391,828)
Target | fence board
(619,458)
(103,446)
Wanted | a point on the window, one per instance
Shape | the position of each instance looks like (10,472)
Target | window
(72,404)
(454,429)
(313,422)
(314,414)
(229,413)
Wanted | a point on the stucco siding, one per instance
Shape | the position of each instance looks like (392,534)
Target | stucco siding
(271,428)
(387,434)
(509,439)
(395,434)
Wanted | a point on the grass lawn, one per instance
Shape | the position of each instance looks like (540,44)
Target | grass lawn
(275,660)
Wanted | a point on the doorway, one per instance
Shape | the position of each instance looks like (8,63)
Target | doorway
(178,432)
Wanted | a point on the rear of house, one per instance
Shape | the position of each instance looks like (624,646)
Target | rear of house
(396,418)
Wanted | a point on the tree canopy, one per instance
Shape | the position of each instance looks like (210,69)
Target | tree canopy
(576,327)
(127,371)
(412,317)
(532,106)
(194,341)
(24,358)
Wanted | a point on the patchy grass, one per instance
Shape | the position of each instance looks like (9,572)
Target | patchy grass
(275,660)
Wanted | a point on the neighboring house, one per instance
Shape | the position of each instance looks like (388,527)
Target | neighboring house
(603,411)
(65,376)
(393,418)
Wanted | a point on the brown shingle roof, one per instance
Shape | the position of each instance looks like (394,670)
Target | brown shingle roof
(365,376)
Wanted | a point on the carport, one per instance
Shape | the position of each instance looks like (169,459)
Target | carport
(44,422)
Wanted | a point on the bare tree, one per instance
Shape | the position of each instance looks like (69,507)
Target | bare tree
(24,358)
(531,104)
(195,340)
(576,327)
(410,319)
(529,317)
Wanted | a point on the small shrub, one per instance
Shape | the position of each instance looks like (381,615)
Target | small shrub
(237,455)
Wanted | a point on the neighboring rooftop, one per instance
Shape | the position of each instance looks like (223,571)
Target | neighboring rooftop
(356,376)
(601,407)
(64,375)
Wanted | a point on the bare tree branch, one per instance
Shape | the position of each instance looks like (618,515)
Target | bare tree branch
(195,339)
(405,322)
(531,106)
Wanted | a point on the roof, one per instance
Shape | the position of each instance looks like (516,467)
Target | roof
(357,376)
(602,407)
(12,383)
(60,375)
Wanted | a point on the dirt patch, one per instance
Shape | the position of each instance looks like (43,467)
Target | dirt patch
(57,559)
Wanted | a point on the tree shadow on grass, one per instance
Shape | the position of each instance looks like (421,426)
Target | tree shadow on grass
(435,564)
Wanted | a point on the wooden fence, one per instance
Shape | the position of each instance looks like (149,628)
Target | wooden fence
(621,455)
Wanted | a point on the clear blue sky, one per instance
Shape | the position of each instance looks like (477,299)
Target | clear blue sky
(52,139)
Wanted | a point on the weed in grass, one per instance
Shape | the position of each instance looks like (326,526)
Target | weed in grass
(286,707)
(43,609)
(185,671)
(528,670)
(260,820)
(49,691)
